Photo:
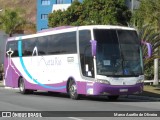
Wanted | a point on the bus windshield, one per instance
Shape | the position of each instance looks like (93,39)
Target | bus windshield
(118,53)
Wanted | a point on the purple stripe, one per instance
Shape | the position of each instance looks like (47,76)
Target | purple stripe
(11,78)
(115,89)
(38,87)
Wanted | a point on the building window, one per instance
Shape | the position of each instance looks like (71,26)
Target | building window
(60,1)
(45,2)
(44,16)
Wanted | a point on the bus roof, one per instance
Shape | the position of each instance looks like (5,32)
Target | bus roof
(67,28)
(56,28)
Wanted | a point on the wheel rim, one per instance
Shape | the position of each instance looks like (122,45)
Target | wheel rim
(21,86)
(73,90)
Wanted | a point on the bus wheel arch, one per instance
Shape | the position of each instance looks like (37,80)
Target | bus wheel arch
(72,89)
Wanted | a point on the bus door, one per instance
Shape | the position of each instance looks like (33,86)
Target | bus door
(86,58)
(88,62)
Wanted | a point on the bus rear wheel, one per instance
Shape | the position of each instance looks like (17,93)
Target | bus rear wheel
(73,90)
(22,88)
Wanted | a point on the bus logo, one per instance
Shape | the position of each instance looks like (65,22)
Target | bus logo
(70,59)
(6,114)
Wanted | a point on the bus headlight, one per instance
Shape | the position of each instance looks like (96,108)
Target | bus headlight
(103,81)
(140,81)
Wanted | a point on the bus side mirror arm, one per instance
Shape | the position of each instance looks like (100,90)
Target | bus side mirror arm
(93,47)
(149,47)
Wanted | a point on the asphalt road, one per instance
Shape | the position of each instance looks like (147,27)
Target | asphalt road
(12,100)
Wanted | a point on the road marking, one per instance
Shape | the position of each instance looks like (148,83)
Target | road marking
(74,118)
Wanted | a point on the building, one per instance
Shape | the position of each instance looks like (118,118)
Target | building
(3,38)
(44,7)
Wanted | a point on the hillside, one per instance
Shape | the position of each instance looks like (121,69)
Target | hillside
(29,6)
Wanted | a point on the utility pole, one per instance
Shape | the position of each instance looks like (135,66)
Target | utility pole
(132,6)
(155,82)
(132,10)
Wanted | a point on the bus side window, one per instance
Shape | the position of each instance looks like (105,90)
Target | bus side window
(42,45)
(28,46)
(12,45)
(63,43)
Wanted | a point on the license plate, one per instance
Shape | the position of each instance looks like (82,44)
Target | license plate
(123,90)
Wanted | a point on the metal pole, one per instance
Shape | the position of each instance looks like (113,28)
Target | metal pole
(132,6)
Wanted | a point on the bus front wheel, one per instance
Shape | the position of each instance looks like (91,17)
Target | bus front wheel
(73,90)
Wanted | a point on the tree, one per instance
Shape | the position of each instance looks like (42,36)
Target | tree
(12,22)
(148,13)
(148,33)
(92,12)
(72,16)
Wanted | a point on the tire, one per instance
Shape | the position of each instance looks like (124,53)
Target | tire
(22,88)
(113,97)
(73,90)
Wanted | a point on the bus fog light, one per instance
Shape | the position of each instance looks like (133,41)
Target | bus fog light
(105,93)
(102,81)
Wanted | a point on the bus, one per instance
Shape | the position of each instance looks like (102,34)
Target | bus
(96,60)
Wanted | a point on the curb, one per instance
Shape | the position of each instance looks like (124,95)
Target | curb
(144,97)
(9,88)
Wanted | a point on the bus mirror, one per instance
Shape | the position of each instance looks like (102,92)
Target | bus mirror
(149,47)
(93,47)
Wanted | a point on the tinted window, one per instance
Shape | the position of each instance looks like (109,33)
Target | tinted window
(28,46)
(68,41)
(129,43)
(42,45)
(84,40)
(128,37)
(118,53)
(64,43)
(13,45)
(106,36)
(54,44)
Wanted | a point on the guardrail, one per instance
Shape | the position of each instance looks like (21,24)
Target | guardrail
(150,82)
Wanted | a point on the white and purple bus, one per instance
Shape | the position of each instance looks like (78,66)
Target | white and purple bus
(84,60)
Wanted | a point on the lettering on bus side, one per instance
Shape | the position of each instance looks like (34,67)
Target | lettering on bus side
(56,61)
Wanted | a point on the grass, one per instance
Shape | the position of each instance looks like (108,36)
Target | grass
(151,91)
(1,83)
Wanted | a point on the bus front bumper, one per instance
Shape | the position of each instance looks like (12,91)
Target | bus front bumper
(104,89)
